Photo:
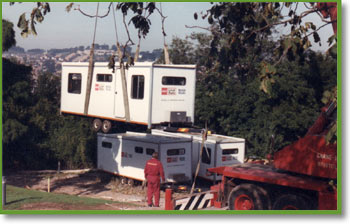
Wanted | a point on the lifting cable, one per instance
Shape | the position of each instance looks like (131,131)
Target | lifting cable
(166,52)
(120,55)
(137,52)
(91,68)
(122,73)
(204,138)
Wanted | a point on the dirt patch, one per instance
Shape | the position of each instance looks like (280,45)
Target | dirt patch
(83,183)
(57,206)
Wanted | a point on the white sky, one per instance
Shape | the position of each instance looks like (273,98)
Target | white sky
(63,30)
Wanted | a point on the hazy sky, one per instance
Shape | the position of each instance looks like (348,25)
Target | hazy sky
(61,29)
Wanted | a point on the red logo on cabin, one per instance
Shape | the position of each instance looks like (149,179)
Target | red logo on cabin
(96,87)
(164,91)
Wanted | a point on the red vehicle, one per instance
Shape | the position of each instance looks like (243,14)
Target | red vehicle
(302,175)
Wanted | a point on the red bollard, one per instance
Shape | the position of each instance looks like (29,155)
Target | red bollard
(168,199)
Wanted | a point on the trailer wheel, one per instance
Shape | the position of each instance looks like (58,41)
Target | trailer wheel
(106,126)
(248,197)
(131,182)
(124,180)
(292,202)
(96,125)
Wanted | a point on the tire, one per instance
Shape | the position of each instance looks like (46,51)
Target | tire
(124,180)
(131,182)
(248,197)
(106,126)
(292,202)
(96,125)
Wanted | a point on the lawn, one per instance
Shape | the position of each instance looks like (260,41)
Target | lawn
(20,198)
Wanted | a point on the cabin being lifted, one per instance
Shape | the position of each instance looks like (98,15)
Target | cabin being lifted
(157,94)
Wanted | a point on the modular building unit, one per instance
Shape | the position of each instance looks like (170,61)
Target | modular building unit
(156,93)
(126,155)
(219,150)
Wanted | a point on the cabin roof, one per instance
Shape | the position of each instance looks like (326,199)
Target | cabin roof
(211,137)
(137,64)
(149,138)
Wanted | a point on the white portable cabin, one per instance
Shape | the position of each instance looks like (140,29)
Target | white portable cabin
(219,150)
(126,155)
(156,93)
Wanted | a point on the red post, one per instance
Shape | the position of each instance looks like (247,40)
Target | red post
(168,199)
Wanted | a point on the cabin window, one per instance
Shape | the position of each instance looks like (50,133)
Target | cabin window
(174,81)
(104,78)
(74,83)
(137,86)
(229,151)
(175,152)
(150,151)
(107,145)
(138,149)
(206,155)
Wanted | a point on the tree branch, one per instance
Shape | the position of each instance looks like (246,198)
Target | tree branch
(93,16)
(280,23)
(319,28)
(163,19)
(127,32)
(199,27)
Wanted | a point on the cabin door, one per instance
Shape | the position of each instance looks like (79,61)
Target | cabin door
(119,111)
(208,159)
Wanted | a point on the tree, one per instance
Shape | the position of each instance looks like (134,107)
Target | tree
(35,135)
(181,52)
(194,49)
(17,100)
(244,24)
(8,35)
(231,107)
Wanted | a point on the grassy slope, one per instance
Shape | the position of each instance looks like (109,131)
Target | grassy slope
(16,197)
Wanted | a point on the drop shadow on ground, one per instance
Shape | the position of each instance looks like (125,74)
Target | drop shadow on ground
(93,182)
(24,178)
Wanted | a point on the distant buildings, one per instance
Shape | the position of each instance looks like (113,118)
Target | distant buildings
(50,60)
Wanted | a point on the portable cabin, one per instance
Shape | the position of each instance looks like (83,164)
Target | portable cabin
(157,93)
(218,150)
(126,155)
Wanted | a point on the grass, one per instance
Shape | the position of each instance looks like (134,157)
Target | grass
(17,197)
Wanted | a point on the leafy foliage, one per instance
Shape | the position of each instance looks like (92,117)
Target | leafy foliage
(35,135)
(8,35)
(246,24)
(232,108)
(37,15)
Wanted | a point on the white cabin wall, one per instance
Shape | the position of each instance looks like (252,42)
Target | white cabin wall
(139,107)
(109,158)
(179,167)
(134,163)
(102,94)
(177,98)
(73,102)
(236,158)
